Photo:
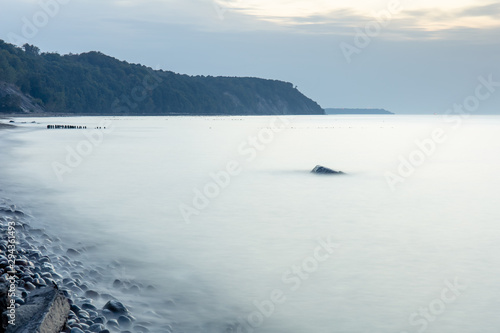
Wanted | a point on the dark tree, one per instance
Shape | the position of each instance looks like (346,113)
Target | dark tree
(31,49)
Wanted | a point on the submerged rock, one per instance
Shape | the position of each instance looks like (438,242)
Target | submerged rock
(323,170)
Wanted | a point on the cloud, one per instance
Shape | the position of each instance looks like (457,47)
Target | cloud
(492,10)
(468,22)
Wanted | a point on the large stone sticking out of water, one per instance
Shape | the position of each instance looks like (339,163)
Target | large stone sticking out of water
(322,170)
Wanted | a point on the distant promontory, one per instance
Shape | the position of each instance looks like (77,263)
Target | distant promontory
(96,84)
(356,111)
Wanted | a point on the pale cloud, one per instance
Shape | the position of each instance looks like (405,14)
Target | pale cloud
(321,16)
(299,8)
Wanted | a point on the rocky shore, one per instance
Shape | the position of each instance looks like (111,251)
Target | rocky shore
(42,263)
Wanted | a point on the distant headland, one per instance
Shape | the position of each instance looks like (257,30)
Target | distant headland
(356,111)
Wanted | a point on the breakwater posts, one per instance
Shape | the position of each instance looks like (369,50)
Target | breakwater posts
(71,127)
(65,127)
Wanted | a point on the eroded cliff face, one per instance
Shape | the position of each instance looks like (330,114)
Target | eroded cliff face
(12,100)
(277,104)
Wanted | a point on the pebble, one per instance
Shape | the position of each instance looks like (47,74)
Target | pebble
(112,323)
(75,308)
(36,265)
(40,282)
(76,330)
(29,286)
(107,313)
(93,314)
(96,327)
(84,326)
(88,306)
(124,321)
(83,314)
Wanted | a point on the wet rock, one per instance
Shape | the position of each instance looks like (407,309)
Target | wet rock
(325,171)
(96,327)
(46,310)
(113,324)
(115,307)
(124,321)
(92,314)
(18,300)
(107,313)
(44,259)
(71,322)
(88,306)
(21,262)
(92,294)
(75,308)
(47,267)
(95,274)
(72,252)
(116,283)
(84,326)
(107,297)
(40,282)
(76,290)
(132,290)
(83,314)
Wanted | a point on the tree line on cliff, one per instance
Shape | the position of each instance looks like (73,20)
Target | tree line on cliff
(94,83)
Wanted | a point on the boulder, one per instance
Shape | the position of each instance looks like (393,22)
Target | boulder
(325,171)
(45,311)
(116,307)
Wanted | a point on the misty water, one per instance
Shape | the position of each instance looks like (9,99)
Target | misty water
(272,247)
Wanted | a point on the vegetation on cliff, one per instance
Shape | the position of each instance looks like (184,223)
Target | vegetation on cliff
(93,83)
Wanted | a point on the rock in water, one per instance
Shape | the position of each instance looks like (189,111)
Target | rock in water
(46,310)
(322,170)
(116,307)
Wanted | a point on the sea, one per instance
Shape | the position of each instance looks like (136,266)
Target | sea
(216,224)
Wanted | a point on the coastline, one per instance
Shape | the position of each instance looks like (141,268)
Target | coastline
(42,263)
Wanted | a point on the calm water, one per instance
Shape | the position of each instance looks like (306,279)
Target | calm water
(253,255)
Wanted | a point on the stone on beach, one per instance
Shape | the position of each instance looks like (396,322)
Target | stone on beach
(115,307)
(91,294)
(124,321)
(35,268)
(72,252)
(46,310)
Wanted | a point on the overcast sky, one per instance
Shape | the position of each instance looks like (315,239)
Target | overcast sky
(417,57)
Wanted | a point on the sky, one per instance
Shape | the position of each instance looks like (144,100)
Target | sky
(406,56)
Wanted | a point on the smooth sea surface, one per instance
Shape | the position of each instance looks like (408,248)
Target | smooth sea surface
(248,251)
